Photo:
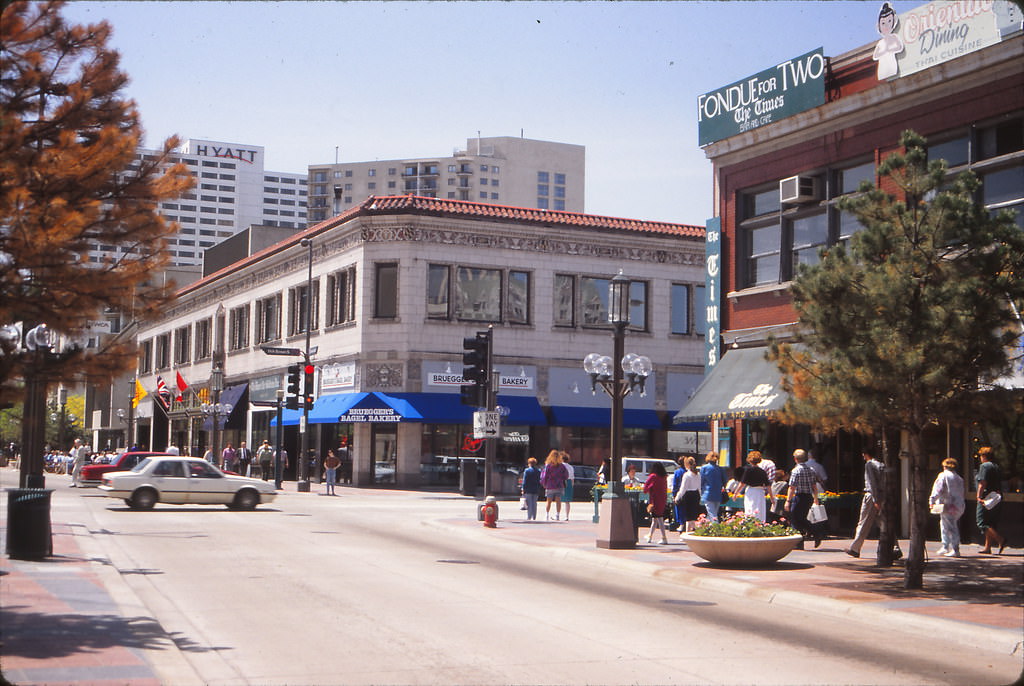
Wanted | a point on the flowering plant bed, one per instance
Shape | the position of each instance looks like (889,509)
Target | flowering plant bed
(742,526)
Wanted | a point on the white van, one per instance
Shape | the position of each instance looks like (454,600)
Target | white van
(644,465)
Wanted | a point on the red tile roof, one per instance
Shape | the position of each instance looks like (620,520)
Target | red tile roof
(412,204)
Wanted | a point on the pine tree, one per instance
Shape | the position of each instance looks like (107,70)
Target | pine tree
(68,184)
(910,324)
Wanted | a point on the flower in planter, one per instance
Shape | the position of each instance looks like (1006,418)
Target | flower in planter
(742,526)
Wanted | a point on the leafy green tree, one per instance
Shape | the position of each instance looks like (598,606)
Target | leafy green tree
(69,184)
(910,324)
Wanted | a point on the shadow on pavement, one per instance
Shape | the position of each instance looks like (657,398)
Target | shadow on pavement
(41,635)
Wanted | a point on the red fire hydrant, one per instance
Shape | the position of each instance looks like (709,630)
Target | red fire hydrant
(489,510)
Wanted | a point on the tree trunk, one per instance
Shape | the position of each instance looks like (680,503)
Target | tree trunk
(887,526)
(913,574)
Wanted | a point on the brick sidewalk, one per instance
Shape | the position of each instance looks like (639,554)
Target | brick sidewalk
(60,625)
(971,593)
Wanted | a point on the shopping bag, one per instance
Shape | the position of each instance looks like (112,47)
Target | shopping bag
(937,508)
(992,499)
(817,514)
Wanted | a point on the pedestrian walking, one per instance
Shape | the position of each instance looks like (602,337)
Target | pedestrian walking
(265,457)
(78,453)
(948,497)
(244,457)
(656,488)
(552,478)
(753,486)
(803,492)
(990,481)
(688,497)
(531,488)
(172,450)
(678,515)
(870,504)
(567,494)
(331,464)
(778,491)
(712,481)
(228,456)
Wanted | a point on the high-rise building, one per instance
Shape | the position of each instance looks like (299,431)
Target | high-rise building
(502,170)
(232,192)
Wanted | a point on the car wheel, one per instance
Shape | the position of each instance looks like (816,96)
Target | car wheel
(247,499)
(143,499)
(128,502)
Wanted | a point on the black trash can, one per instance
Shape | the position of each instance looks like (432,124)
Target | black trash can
(467,477)
(29,536)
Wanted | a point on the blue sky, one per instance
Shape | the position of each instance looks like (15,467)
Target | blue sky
(382,80)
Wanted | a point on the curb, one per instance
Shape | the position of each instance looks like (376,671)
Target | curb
(167,661)
(1004,641)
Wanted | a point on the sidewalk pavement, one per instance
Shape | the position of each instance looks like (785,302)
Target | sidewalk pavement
(71,619)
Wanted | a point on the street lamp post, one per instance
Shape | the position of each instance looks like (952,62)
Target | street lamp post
(303,466)
(616,528)
(62,400)
(278,467)
(216,410)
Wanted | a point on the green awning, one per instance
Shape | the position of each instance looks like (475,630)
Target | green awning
(742,385)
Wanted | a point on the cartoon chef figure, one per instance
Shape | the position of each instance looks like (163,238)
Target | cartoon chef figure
(889,46)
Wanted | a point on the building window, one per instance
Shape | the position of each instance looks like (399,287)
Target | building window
(146,357)
(477,294)
(593,303)
(542,203)
(298,304)
(559,179)
(268,319)
(182,345)
(542,177)
(517,299)
(203,339)
(385,296)
(681,308)
(810,235)
(700,304)
(238,328)
(163,351)
(565,300)
(341,296)
(542,189)
(438,278)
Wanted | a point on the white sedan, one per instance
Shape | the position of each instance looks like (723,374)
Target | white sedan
(184,480)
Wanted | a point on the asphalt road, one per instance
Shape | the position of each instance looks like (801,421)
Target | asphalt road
(361,589)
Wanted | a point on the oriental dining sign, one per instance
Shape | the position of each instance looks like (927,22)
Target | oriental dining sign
(786,89)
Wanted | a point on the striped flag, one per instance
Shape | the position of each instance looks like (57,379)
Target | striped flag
(163,393)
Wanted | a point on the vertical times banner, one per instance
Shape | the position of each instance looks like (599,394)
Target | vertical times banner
(712,291)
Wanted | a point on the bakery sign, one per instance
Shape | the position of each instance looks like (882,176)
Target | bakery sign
(786,89)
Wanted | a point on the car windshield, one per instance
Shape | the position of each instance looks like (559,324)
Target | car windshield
(141,465)
(584,471)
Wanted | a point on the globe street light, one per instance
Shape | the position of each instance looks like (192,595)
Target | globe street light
(615,527)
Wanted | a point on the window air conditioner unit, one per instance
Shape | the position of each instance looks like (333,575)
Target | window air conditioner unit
(799,189)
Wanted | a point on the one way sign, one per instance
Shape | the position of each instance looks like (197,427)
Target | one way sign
(486,424)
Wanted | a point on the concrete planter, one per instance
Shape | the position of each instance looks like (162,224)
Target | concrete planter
(741,552)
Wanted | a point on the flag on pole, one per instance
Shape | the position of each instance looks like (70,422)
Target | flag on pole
(163,393)
(139,393)
(182,386)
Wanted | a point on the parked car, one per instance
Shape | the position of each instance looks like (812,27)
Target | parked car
(583,481)
(184,480)
(92,474)
(644,466)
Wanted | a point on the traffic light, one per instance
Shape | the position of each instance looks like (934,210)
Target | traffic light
(293,392)
(476,376)
(307,387)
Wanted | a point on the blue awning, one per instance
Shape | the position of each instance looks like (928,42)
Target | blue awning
(362,407)
(568,415)
(230,395)
(288,418)
(447,408)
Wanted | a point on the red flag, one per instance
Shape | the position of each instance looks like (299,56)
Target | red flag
(182,386)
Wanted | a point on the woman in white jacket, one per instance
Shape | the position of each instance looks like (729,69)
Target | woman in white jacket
(948,490)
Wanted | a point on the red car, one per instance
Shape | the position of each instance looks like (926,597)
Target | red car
(92,474)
